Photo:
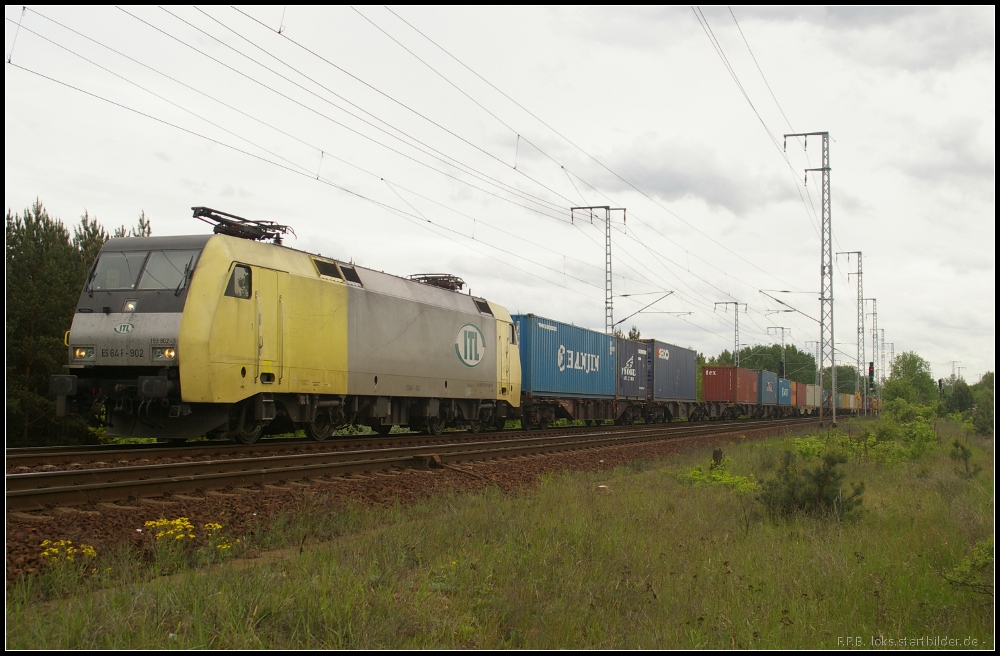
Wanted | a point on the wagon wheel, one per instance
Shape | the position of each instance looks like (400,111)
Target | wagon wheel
(435,425)
(247,430)
(321,428)
(525,424)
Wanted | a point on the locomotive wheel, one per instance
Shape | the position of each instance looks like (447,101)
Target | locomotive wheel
(247,430)
(435,425)
(320,429)
(382,429)
(500,423)
(476,426)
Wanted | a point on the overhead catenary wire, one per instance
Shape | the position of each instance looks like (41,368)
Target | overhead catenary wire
(392,185)
(584,152)
(518,134)
(299,171)
(448,159)
(571,180)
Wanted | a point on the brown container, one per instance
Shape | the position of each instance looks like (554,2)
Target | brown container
(800,395)
(729,385)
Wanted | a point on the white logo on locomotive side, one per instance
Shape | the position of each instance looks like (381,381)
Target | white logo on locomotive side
(569,359)
(123,328)
(470,345)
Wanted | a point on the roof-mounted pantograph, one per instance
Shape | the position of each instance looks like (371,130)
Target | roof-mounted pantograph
(237,226)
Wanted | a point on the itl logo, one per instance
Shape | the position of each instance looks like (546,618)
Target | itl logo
(123,328)
(470,345)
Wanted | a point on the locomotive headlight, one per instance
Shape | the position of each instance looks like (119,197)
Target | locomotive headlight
(83,353)
(130,305)
(165,353)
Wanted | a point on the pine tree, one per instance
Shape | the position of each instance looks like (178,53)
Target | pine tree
(43,284)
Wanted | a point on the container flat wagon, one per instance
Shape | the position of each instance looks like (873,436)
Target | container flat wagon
(729,392)
(567,372)
(670,382)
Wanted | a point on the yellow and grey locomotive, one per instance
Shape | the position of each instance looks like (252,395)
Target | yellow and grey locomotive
(176,337)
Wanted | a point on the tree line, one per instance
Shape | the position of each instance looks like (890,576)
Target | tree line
(46,268)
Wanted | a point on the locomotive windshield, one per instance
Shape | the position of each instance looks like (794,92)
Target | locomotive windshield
(143,270)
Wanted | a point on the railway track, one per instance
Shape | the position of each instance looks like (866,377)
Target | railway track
(221,466)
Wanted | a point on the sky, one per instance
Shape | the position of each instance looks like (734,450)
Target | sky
(457,140)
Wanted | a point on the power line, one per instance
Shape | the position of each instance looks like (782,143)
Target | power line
(415,219)
(483,177)
(588,155)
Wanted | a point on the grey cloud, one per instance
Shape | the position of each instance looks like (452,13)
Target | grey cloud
(672,171)
(852,17)
(958,151)
(911,38)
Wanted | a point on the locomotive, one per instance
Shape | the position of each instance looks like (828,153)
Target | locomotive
(177,337)
(234,334)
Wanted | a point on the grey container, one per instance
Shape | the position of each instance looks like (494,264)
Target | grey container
(784,392)
(564,361)
(767,388)
(672,372)
(632,369)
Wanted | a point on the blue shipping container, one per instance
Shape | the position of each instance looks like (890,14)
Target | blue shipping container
(784,392)
(672,372)
(632,357)
(564,361)
(767,388)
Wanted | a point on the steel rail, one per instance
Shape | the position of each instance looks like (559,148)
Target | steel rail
(37,490)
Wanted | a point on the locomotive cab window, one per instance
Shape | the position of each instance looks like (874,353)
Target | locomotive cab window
(168,270)
(240,282)
(117,271)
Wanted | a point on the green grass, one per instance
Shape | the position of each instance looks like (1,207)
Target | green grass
(652,561)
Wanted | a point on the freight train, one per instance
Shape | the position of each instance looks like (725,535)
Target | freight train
(235,334)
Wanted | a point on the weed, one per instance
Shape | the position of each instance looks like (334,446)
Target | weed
(718,474)
(176,543)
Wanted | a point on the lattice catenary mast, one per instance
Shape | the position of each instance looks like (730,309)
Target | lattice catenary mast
(609,312)
(826,277)
(861,383)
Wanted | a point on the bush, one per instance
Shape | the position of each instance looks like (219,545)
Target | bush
(976,571)
(816,490)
